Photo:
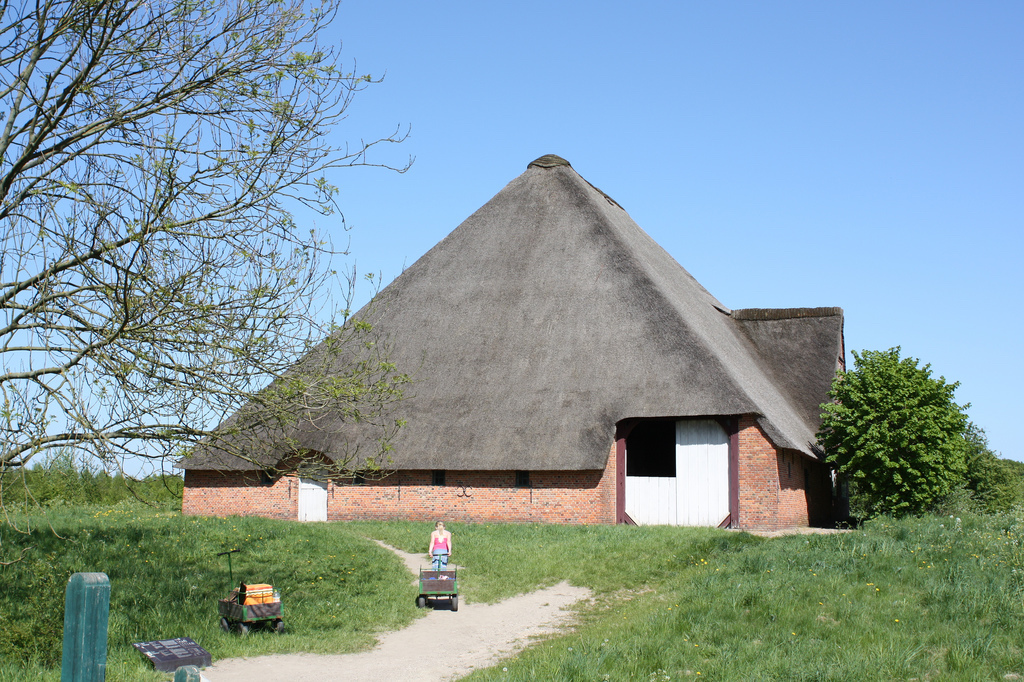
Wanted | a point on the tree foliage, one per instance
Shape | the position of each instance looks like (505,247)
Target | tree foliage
(62,479)
(896,432)
(995,484)
(152,277)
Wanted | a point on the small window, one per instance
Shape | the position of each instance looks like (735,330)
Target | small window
(522,479)
(358,479)
(438,477)
(266,478)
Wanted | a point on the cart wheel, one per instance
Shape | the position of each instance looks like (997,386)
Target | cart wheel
(243,628)
(225,625)
(455,602)
(279,627)
(421,602)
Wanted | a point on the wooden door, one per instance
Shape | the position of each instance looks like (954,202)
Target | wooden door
(312,500)
(702,473)
(651,500)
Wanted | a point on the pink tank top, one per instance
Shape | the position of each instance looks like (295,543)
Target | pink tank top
(440,543)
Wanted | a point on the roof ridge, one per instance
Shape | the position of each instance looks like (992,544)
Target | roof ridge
(555,161)
(548,161)
(784,313)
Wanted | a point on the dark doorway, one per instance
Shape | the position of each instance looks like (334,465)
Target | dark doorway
(651,449)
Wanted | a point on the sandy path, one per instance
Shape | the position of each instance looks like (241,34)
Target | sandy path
(477,636)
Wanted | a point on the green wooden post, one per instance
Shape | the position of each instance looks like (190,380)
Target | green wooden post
(86,611)
(187,673)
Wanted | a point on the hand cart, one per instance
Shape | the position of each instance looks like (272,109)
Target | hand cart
(438,585)
(235,613)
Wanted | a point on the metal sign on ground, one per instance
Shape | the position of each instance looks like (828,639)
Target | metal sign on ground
(167,655)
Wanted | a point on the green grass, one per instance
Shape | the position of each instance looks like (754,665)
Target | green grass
(497,561)
(917,599)
(338,588)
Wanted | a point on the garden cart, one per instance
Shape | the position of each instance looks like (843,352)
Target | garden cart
(438,585)
(249,606)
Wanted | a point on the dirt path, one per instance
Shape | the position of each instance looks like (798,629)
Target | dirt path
(477,636)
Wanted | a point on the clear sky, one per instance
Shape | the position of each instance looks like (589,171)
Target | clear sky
(865,155)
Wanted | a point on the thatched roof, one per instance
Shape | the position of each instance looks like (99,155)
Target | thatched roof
(549,315)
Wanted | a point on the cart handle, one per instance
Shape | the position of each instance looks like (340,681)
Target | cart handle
(231,574)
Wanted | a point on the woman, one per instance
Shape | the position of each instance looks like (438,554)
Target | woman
(440,546)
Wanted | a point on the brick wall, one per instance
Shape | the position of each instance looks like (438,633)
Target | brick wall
(216,493)
(773,492)
(482,496)
(778,488)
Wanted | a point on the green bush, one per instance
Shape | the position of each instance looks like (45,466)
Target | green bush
(896,432)
(996,485)
(63,481)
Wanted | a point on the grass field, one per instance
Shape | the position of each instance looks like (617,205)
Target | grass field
(338,588)
(935,599)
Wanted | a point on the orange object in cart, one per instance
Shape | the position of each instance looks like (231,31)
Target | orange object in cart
(249,606)
(259,593)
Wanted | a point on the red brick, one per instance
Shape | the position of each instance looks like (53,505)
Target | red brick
(553,496)
(772,492)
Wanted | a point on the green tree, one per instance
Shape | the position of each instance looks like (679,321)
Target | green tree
(895,432)
(152,278)
(59,479)
(994,484)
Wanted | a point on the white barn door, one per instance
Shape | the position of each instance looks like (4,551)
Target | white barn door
(698,494)
(702,473)
(312,500)
(651,500)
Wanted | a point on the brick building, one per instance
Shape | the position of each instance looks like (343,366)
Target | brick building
(567,370)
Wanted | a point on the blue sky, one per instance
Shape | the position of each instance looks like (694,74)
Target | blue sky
(864,155)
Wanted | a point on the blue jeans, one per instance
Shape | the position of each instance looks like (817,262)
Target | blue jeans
(440,560)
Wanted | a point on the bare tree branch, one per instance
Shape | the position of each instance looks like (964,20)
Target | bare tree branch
(153,280)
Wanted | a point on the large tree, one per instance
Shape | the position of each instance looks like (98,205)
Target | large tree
(896,432)
(153,279)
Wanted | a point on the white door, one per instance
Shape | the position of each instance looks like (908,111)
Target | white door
(702,473)
(651,500)
(312,500)
(698,494)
